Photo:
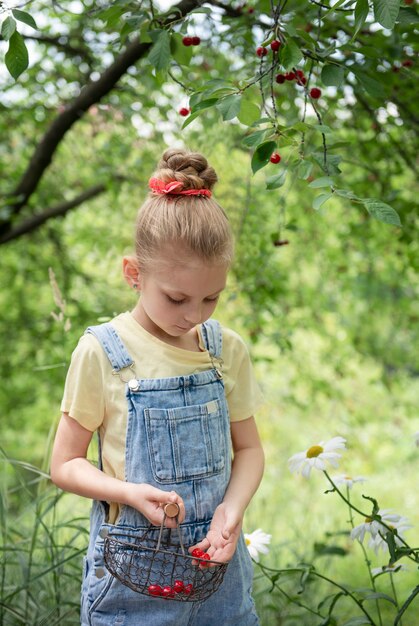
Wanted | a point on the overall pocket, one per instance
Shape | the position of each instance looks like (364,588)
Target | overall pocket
(186,442)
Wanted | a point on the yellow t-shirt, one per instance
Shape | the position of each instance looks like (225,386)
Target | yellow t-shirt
(95,398)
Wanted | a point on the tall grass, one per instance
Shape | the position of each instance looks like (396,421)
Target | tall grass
(41,549)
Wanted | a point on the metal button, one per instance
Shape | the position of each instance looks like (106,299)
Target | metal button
(100,572)
(133,384)
(104,532)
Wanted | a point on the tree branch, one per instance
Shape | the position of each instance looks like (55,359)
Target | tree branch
(91,94)
(33,222)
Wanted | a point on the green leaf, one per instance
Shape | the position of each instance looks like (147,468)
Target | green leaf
(376,595)
(332,75)
(382,211)
(304,169)
(198,109)
(204,104)
(159,55)
(407,16)
(182,54)
(323,128)
(262,155)
(324,181)
(16,58)
(255,138)
(111,15)
(371,86)
(332,161)
(346,193)
(386,12)
(8,28)
(276,181)
(290,54)
(301,127)
(322,549)
(249,113)
(320,200)
(23,16)
(361,14)
(229,106)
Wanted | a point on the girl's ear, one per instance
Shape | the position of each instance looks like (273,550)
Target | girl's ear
(131,271)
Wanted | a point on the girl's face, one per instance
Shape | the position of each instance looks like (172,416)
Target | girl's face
(178,293)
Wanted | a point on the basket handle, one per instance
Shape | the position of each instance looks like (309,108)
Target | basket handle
(171,509)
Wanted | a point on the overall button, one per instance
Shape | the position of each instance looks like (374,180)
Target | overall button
(133,384)
(100,572)
(104,532)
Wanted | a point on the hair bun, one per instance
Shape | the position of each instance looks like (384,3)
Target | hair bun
(189,168)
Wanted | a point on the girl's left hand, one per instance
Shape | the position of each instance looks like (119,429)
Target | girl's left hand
(222,537)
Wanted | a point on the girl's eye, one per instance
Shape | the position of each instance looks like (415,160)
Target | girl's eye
(212,299)
(173,301)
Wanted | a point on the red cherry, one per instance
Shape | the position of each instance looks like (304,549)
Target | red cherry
(197,553)
(167,592)
(290,76)
(178,586)
(184,111)
(206,556)
(280,78)
(315,93)
(261,51)
(250,10)
(187,41)
(407,63)
(196,41)
(275,45)
(275,157)
(155,590)
(188,589)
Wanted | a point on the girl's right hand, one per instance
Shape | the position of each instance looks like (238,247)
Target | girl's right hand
(150,501)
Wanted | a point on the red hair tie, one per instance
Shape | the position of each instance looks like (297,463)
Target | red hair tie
(174,187)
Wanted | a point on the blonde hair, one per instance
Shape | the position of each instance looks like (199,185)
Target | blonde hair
(196,223)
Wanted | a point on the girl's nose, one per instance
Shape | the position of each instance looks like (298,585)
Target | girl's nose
(193,314)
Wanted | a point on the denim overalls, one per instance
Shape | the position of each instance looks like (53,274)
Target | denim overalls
(177,438)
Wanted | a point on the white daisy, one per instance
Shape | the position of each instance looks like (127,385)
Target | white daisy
(399,527)
(374,527)
(349,481)
(389,569)
(317,455)
(257,542)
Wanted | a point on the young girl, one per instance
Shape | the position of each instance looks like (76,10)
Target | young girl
(170,393)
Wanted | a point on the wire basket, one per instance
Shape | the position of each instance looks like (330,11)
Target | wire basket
(160,568)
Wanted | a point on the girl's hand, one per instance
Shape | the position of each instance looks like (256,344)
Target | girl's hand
(150,501)
(223,535)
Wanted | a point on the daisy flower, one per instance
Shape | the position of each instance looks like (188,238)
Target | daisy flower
(374,527)
(389,569)
(399,527)
(257,543)
(349,481)
(317,455)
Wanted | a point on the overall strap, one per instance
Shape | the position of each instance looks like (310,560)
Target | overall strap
(111,343)
(213,338)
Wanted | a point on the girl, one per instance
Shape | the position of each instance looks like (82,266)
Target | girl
(191,396)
